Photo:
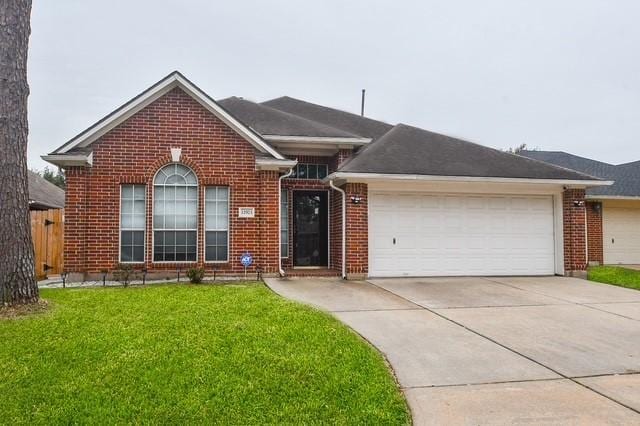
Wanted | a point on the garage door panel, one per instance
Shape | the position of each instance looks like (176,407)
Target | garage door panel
(621,235)
(462,235)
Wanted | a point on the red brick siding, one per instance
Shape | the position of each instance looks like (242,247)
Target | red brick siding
(339,158)
(74,224)
(267,247)
(134,151)
(335,230)
(357,230)
(594,232)
(574,231)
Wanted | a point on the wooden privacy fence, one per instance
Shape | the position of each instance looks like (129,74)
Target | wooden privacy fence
(47,230)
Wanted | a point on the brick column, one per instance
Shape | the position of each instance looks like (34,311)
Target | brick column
(594,232)
(575,248)
(357,231)
(267,213)
(75,216)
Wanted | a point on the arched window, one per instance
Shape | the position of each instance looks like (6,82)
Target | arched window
(175,214)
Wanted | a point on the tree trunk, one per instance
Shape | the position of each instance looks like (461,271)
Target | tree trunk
(17,274)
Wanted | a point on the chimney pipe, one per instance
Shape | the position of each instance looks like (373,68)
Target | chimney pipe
(362,104)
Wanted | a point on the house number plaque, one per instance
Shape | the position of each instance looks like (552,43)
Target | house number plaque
(246,212)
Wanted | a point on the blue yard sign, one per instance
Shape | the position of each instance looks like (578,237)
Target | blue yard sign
(246,259)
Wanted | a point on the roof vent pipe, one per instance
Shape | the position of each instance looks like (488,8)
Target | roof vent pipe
(362,104)
(344,228)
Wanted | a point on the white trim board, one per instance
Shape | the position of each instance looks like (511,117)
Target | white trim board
(612,197)
(173,80)
(318,139)
(368,177)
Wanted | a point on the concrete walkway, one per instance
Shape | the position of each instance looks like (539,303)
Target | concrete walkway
(540,350)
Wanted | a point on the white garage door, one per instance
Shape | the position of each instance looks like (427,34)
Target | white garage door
(437,235)
(621,235)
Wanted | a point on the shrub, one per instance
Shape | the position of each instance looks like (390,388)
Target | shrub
(123,274)
(195,275)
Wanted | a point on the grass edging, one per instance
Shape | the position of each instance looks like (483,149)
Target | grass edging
(615,275)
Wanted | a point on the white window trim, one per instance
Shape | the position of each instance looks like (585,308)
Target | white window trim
(153,229)
(144,229)
(204,240)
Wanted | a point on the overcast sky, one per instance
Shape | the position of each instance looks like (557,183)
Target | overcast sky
(557,75)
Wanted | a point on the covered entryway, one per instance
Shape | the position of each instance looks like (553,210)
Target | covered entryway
(310,237)
(621,232)
(417,234)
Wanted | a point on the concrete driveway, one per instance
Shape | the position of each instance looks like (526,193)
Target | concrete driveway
(542,350)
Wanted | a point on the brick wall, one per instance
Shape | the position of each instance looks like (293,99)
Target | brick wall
(268,241)
(574,231)
(335,230)
(357,231)
(594,232)
(341,156)
(74,224)
(134,151)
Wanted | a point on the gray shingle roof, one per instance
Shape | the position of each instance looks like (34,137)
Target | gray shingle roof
(626,176)
(271,121)
(43,194)
(353,123)
(410,150)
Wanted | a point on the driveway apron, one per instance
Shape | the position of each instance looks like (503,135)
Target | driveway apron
(496,350)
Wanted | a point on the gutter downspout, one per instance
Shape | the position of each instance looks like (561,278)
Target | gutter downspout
(344,228)
(280,220)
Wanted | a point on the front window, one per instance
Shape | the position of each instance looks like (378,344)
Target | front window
(309,171)
(132,222)
(175,214)
(284,223)
(217,224)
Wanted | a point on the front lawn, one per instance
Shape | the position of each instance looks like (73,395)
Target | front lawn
(180,354)
(615,275)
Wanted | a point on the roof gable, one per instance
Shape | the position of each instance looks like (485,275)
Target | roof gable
(162,87)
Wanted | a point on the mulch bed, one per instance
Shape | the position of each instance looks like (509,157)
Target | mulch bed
(17,311)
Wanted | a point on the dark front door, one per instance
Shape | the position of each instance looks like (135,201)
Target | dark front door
(310,228)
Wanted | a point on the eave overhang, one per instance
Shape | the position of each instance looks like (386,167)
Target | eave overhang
(273,164)
(69,160)
(343,177)
(612,197)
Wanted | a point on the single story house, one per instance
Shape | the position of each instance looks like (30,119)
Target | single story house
(613,212)
(174,179)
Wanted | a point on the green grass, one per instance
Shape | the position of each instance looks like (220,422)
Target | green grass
(180,354)
(615,275)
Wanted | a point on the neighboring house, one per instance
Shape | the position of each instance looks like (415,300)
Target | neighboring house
(613,212)
(46,205)
(43,195)
(174,179)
